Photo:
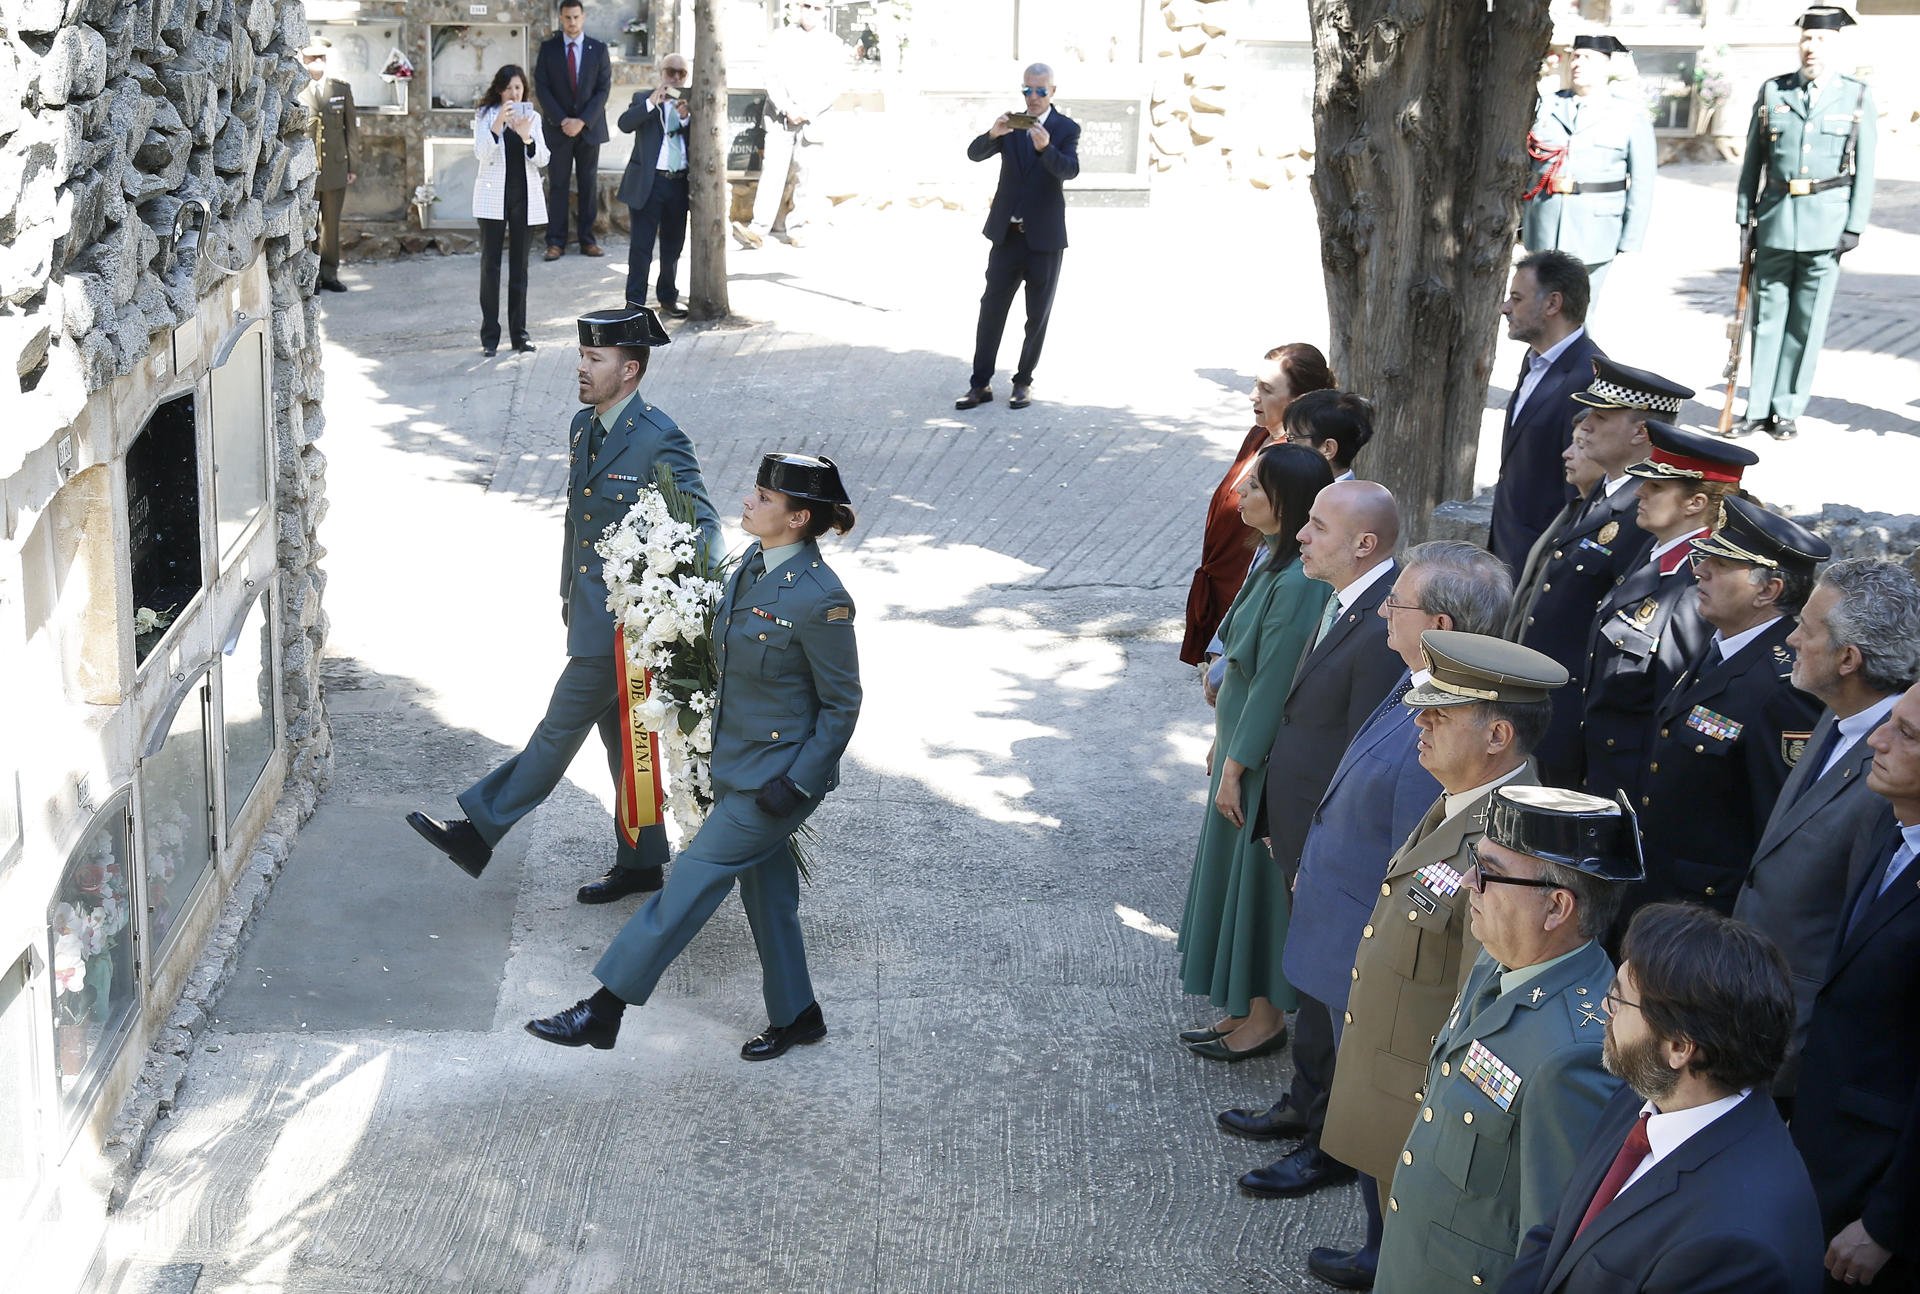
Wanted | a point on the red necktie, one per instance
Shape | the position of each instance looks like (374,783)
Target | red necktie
(1632,1151)
(573,67)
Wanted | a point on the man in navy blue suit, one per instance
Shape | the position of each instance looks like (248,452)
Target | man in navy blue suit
(573,75)
(1690,1183)
(1546,307)
(1027,225)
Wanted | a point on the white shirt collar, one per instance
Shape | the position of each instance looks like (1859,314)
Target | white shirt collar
(1666,1133)
(1856,726)
(1613,483)
(1541,359)
(1458,803)
(1351,594)
(1728,646)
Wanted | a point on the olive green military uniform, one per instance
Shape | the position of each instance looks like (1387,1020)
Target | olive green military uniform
(1806,181)
(332,129)
(1514,1087)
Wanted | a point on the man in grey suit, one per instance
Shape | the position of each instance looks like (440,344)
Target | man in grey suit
(616,445)
(654,185)
(1372,803)
(1858,649)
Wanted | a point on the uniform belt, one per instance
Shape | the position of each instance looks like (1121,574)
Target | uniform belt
(1801,188)
(1598,186)
(673,175)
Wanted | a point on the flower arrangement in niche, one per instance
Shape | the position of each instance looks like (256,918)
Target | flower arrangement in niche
(399,67)
(85,931)
(1712,84)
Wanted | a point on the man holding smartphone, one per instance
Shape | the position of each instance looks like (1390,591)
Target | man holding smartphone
(1039,151)
(655,184)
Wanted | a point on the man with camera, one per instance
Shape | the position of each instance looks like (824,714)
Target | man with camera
(655,184)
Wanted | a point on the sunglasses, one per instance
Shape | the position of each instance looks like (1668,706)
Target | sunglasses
(1483,878)
(673,71)
(1036,91)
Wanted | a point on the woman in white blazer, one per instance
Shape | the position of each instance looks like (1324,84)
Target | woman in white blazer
(507,199)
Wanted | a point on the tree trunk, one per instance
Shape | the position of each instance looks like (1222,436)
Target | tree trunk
(1421,112)
(707,190)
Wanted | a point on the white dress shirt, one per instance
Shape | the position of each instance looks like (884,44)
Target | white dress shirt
(1666,1133)
(1538,362)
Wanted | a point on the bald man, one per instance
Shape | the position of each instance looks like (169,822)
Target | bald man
(1348,542)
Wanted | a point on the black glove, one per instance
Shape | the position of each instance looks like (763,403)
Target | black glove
(564,617)
(1848,241)
(780,798)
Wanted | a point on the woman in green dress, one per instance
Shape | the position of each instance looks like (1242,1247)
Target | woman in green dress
(1235,926)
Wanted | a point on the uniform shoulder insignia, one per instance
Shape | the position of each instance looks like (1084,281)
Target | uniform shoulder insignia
(1608,531)
(837,615)
(1793,745)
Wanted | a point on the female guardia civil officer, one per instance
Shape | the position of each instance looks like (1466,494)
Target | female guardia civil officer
(788,700)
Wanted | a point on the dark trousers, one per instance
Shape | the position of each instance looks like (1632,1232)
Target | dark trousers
(332,203)
(1009,264)
(664,216)
(1313,1053)
(571,160)
(583,699)
(493,234)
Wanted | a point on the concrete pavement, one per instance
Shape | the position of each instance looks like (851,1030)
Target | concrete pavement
(1000,1104)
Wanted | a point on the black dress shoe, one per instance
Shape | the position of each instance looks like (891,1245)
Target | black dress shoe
(1784,429)
(1349,1270)
(975,395)
(577,1026)
(1022,397)
(456,839)
(620,882)
(1191,1036)
(1747,426)
(808,1026)
(523,344)
(673,310)
(1278,1121)
(1306,1170)
(332,285)
(489,351)
(1218,1049)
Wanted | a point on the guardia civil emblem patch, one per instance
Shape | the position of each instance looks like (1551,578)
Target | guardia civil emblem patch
(1793,745)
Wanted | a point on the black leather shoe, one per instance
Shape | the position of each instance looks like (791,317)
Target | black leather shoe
(577,1026)
(1784,429)
(673,310)
(1349,1270)
(1303,1172)
(975,395)
(523,344)
(620,882)
(1747,426)
(489,351)
(808,1026)
(1218,1049)
(1022,397)
(332,285)
(456,839)
(1191,1036)
(1278,1121)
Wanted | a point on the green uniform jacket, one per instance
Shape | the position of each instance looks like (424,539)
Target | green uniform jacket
(332,129)
(1787,141)
(1477,1171)
(1414,953)
(1607,139)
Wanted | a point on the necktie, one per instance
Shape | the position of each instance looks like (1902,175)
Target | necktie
(756,568)
(1632,1151)
(1818,767)
(1874,889)
(1520,384)
(596,437)
(1327,617)
(573,66)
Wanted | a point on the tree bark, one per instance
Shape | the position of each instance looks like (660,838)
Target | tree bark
(1421,111)
(707,190)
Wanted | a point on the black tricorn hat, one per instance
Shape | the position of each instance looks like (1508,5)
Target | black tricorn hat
(1605,44)
(1824,17)
(622,326)
(1576,830)
(802,476)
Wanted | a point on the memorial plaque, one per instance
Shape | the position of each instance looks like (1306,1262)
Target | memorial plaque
(746,140)
(360,54)
(462,58)
(1109,136)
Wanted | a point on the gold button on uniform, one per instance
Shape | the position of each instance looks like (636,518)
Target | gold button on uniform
(1385,890)
(1413,916)
(586,516)
(1699,750)
(1393,1204)
(1477,1280)
(588,490)
(1347,1016)
(1654,767)
(1356,972)
(1663,732)
(776,736)
(1467,1117)
(1426,1115)
(583,570)
(1367,933)
(1709,891)
(1445,1069)
(1609,743)
(763,637)
(1406,1156)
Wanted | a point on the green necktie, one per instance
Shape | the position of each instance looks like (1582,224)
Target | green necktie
(596,437)
(1327,617)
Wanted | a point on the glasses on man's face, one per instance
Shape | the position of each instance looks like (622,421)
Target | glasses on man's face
(1391,605)
(1481,877)
(675,71)
(1036,91)
(1613,1001)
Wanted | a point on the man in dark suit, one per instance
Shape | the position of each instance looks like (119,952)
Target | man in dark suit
(1546,307)
(654,186)
(617,442)
(1375,799)
(574,76)
(1690,1184)
(1027,225)
(1856,1117)
(1857,648)
(1732,728)
(1575,565)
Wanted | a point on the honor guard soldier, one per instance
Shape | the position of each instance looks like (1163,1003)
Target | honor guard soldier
(332,128)
(616,445)
(1480,711)
(1649,627)
(1593,161)
(1732,728)
(1579,561)
(1515,1082)
(1806,189)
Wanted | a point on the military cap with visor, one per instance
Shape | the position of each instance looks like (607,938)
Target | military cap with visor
(622,326)
(1466,669)
(1681,455)
(318,47)
(802,476)
(1824,17)
(1620,386)
(1575,830)
(1749,533)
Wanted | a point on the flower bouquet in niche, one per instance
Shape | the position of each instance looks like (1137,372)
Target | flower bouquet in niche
(663,588)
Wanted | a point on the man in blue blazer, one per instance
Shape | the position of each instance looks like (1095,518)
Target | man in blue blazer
(615,445)
(654,186)
(1690,1184)
(1546,307)
(1027,225)
(574,75)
